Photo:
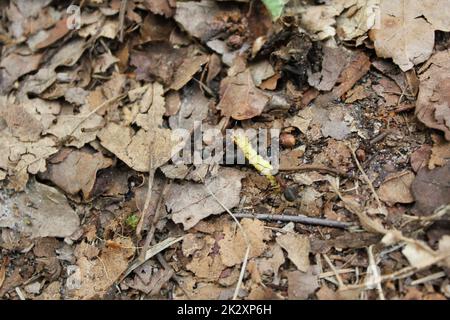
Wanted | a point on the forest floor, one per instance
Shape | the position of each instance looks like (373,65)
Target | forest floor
(348,198)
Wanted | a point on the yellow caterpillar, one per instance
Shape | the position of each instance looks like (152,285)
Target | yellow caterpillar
(261,165)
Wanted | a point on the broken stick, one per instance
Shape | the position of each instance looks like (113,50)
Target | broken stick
(298,219)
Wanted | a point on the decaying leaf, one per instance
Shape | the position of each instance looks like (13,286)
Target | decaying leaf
(92,279)
(40,211)
(233,245)
(207,264)
(396,188)
(77,171)
(406,31)
(22,158)
(192,110)
(431,190)
(152,143)
(302,284)
(202,19)
(162,7)
(271,265)
(440,152)
(334,61)
(297,246)
(13,66)
(191,202)
(433,102)
(349,19)
(240,99)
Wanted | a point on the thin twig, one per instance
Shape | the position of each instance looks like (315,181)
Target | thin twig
(151,232)
(380,137)
(401,274)
(335,271)
(247,241)
(87,116)
(373,265)
(298,219)
(123,9)
(148,196)
(331,273)
(369,183)
(431,277)
(315,167)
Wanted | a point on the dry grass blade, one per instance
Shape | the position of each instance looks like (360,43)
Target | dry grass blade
(151,252)
(335,271)
(374,268)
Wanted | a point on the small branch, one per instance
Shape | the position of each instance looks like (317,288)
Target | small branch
(431,277)
(315,167)
(246,238)
(341,284)
(298,219)
(380,137)
(369,183)
(156,216)
(123,9)
(373,265)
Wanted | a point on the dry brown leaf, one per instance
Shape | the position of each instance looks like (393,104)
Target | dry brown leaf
(270,266)
(191,202)
(233,246)
(92,279)
(154,28)
(192,111)
(162,7)
(406,31)
(334,61)
(76,128)
(356,94)
(187,69)
(420,157)
(431,189)
(158,62)
(358,66)
(240,99)
(203,19)
(388,90)
(105,92)
(357,20)
(77,171)
(326,293)
(297,246)
(15,65)
(21,123)
(51,292)
(302,284)
(433,102)
(417,256)
(355,70)
(319,21)
(396,188)
(191,244)
(440,152)
(261,71)
(206,263)
(152,143)
(44,38)
(40,211)
(22,158)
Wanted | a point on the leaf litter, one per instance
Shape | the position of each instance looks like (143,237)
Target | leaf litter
(92,198)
